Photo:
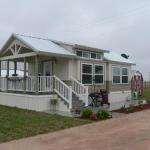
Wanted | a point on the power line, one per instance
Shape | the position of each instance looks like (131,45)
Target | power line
(112,18)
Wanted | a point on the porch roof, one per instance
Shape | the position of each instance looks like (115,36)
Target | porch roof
(40,46)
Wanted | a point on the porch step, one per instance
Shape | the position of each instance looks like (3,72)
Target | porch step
(77,104)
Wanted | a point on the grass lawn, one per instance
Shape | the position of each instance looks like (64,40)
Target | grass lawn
(18,123)
(146,94)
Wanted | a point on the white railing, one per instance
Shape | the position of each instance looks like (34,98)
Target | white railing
(80,90)
(30,84)
(3,83)
(63,90)
(15,83)
(46,83)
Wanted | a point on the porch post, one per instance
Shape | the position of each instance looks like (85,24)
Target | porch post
(0,75)
(7,76)
(24,75)
(15,68)
(0,68)
(36,75)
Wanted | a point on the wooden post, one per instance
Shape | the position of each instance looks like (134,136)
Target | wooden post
(7,76)
(24,75)
(36,75)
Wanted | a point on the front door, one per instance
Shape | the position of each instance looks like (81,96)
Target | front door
(47,68)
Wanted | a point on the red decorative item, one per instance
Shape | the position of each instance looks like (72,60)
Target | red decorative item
(137,83)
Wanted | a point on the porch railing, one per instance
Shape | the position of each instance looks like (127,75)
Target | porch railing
(45,84)
(80,90)
(15,83)
(3,83)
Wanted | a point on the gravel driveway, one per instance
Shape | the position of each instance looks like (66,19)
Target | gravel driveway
(129,132)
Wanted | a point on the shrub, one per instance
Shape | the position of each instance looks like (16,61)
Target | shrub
(123,107)
(140,103)
(93,116)
(54,101)
(130,109)
(103,114)
(86,112)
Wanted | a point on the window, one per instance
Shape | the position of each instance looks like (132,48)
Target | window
(93,55)
(116,75)
(99,56)
(120,75)
(124,75)
(98,74)
(79,53)
(92,74)
(96,55)
(85,54)
(86,73)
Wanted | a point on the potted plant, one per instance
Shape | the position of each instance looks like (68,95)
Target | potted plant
(54,102)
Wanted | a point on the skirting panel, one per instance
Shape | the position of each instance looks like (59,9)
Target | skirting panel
(31,102)
(119,96)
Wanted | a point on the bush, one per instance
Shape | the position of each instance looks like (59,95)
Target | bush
(123,107)
(86,113)
(103,114)
(130,109)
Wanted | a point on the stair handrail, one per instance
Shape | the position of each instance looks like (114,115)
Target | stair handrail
(63,90)
(80,89)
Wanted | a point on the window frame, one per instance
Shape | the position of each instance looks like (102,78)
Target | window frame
(93,73)
(125,75)
(120,67)
(99,74)
(86,73)
(96,56)
(79,51)
(89,55)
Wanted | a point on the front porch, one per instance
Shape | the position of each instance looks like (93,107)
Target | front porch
(45,72)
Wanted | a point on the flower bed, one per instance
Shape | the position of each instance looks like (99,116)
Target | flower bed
(100,115)
(132,109)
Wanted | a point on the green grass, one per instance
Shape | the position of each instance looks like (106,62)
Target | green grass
(146,94)
(18,123)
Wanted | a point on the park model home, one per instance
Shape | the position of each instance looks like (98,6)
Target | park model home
(53,69)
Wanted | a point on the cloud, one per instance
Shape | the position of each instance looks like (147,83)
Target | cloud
(121,26)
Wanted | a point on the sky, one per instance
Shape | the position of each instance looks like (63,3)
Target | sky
(121,26)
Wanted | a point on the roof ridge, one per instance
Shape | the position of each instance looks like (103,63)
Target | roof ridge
(34,37)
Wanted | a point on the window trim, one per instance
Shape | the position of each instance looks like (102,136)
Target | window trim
(93,73)
(86,73)
(79,51)
(89,55)
(120,67)
(125,75)
(99,74)
(96,56)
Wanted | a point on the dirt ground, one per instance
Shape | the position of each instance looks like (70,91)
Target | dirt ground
(128,132)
